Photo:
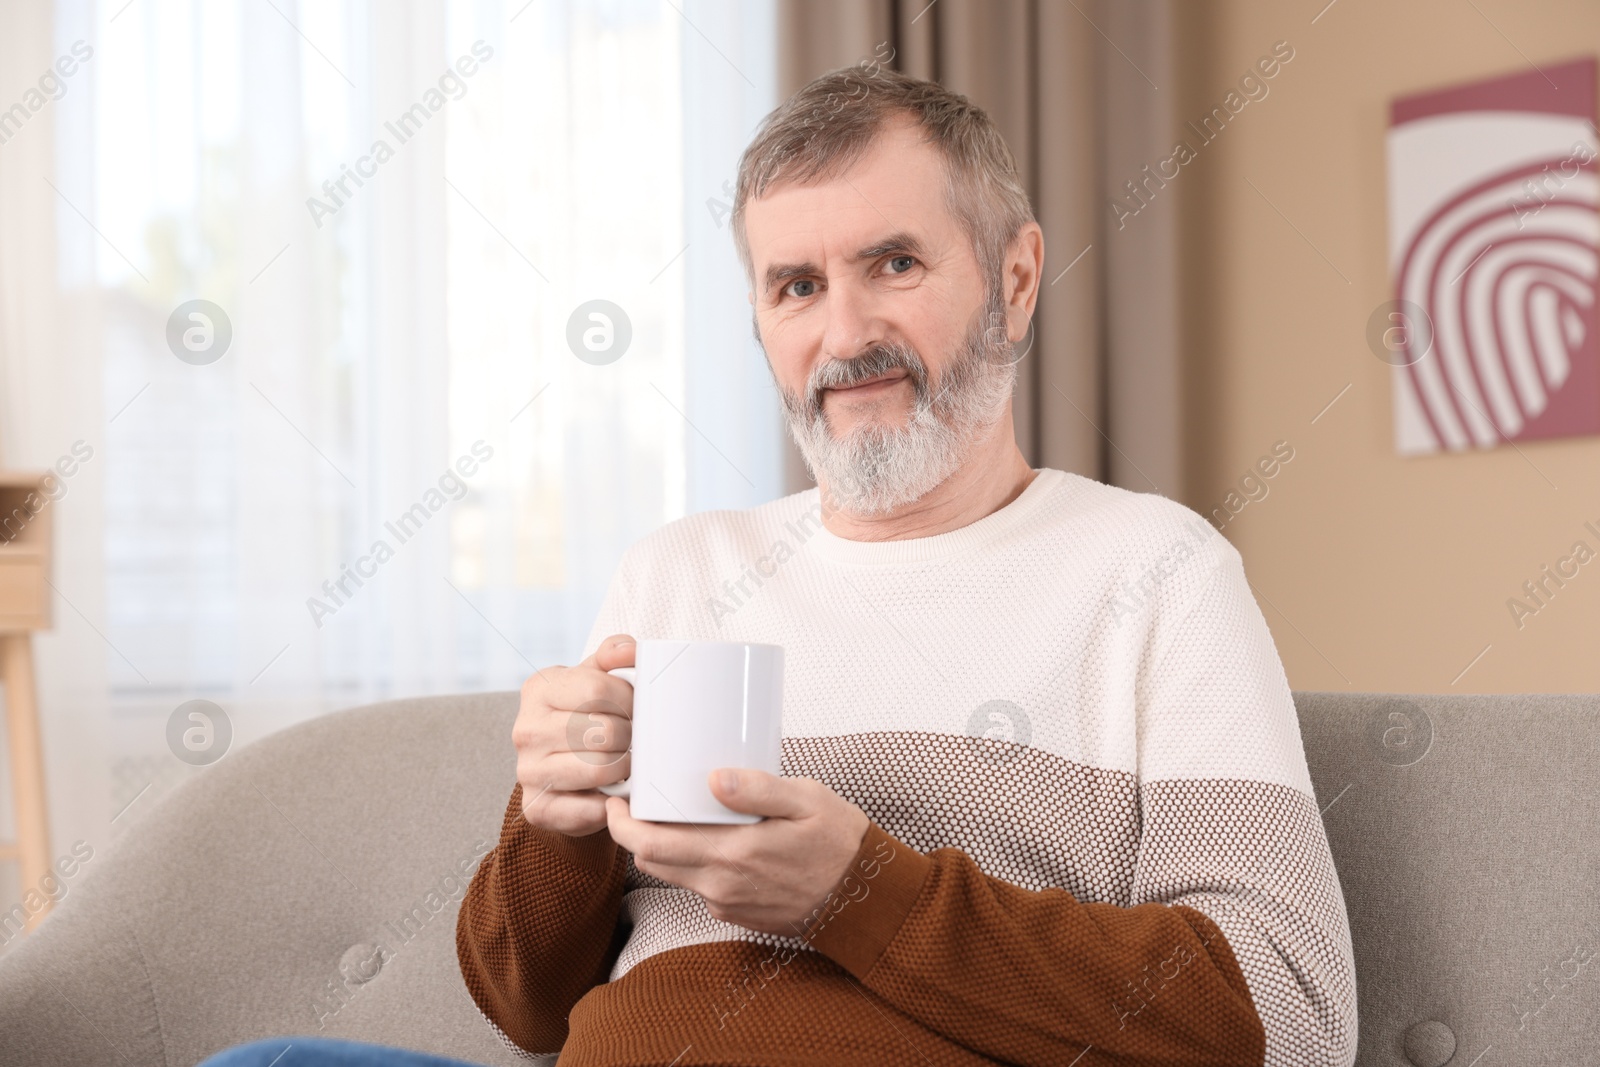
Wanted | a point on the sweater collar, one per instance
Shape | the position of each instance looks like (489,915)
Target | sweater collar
(830,546)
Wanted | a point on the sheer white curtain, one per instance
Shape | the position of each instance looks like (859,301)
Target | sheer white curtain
(400,477)
(49,399)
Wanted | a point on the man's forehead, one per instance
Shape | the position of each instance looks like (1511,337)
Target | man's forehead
(902,167)
(895,189)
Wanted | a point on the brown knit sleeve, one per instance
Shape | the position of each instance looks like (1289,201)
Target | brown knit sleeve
(1034,977)
(536,927)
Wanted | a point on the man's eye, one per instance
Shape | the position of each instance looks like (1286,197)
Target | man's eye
(802,287)
(901,264)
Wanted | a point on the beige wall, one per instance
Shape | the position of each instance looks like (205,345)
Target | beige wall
(1375,572)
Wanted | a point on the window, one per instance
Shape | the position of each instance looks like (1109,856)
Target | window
(400,476)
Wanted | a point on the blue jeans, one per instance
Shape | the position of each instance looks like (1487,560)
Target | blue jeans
(323,1052)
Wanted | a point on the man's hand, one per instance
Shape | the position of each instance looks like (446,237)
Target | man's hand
(572,733)
(769,876)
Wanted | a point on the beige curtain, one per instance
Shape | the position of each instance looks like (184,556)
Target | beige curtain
(1079,91)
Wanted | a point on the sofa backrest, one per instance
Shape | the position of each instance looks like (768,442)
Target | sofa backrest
(309,884)
(1460,827)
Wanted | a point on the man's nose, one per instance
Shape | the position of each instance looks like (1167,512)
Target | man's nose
(853,321)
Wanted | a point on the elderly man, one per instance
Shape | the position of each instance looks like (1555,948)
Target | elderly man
(1045,799)
(1139,875)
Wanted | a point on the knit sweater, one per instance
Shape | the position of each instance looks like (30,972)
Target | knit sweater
(1093,836)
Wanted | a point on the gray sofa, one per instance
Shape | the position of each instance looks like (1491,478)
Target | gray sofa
(286,890)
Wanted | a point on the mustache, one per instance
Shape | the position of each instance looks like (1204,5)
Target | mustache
(878,360)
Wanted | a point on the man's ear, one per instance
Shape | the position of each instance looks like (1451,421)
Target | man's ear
(1023,271)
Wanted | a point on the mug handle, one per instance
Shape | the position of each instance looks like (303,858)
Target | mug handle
(624,787)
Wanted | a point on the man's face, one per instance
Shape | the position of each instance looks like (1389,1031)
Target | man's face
(871,308)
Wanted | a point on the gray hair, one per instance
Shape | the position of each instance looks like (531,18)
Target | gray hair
(830,123)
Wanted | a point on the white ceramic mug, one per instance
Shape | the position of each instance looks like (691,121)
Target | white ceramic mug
(699,706)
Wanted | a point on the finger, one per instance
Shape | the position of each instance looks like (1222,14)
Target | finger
(759,793)
(572,772)
(615,651)
(587,690)
(665,844)
(576,814)
(593,735)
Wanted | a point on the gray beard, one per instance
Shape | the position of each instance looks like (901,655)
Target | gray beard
(875,469)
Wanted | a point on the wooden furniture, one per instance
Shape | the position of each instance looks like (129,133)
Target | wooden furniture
(25,514)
